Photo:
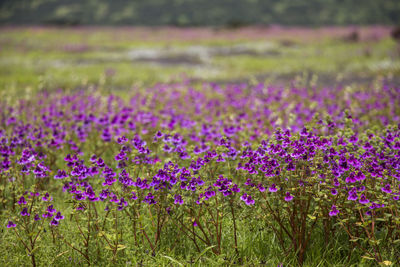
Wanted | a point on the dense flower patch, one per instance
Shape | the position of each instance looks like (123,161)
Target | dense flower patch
(195,160)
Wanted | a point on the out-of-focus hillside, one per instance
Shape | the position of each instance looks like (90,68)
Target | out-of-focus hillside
(229,13)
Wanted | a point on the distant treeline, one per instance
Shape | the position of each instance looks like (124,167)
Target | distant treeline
(228,13)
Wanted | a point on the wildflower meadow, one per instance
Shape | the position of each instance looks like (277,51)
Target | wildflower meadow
(213,174)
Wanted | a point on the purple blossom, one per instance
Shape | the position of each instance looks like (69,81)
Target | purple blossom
(61,174)
(273,188)
(58,216)
(25,212)
(11,224)
(21,201)
(149,199)
(47,197)
(54,222)
(51,209)
(247,199)
(352,196)
(386,189)
(178,200)
(334,211)
(288,197)
(261,188)
(363,199)
(47,214)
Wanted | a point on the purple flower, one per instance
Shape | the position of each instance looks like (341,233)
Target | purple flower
(93,158)
(261,188)
(247,199)
(80,197)
(352,195)
(291,167)
(51,209)
(149,199)
(25,212)
(158,135)
(54,222)
(397,146)
(387,189)
(351,178)
(353,139)
(334,211)
(21,201)
(178,199)
(334,191)
(47,197)
(304,132)
(47,214)
(61,174)
(80,207)
(11,224)
(122,203)
(235,188)
(209,194)
(336,182)
(114,199)
(360,176)
(58,216)
(288,197)
(273,188)
(121,140)
(37,218)
(363,199)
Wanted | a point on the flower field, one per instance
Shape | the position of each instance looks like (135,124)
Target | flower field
(82,172)
(201,173)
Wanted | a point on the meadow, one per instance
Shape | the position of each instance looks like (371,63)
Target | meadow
(206,147)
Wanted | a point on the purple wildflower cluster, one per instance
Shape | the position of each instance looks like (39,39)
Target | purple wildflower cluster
(176,150)
(35,205)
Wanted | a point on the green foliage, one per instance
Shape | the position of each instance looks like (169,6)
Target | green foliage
(230,13)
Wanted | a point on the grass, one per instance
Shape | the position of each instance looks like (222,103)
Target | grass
(50,57)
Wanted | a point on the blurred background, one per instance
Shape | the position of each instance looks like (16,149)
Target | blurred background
(122,44)
(228,13)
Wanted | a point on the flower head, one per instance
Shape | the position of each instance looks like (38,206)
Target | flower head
(11,224)
(288,197)
(178,199)
(58,216)
(25,212)
(21,201)
(272,188)
(387,189)
(334,211)
(54,222)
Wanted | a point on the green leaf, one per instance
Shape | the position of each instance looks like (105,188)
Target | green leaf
(367,258)
(311,217)
(173,260)
(203,252)
(121,247)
